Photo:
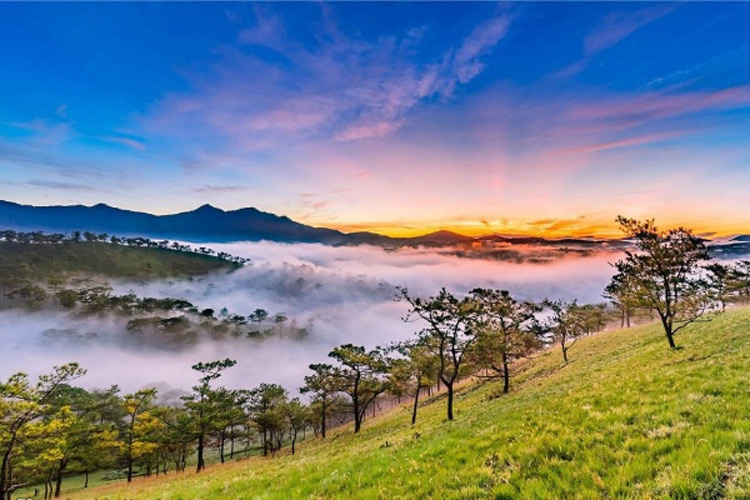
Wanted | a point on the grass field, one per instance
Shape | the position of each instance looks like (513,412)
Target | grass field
(626,418)
(36,261)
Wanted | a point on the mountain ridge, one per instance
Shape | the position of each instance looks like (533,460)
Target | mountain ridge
(208,223)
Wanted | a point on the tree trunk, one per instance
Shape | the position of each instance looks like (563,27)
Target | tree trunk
(4,468)
(58,478)
(51,488)
(323,421)
(86,484)
(247,444)
(506,374)
(357,415)
(667,324)
(221,446)
(450,399)
(670,338)
(416,402)
(200,454)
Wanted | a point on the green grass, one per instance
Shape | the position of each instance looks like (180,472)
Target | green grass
(36,261)
(626,418)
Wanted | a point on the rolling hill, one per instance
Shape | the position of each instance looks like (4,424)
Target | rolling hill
(626,418)
(39,262)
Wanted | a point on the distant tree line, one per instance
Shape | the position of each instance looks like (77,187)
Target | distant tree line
(171,315)
(41,238)
(51,428)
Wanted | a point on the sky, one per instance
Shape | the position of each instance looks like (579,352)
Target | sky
(400,118)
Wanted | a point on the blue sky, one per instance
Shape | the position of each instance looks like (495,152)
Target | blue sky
(397,117)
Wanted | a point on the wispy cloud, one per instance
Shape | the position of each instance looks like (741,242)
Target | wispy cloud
(268,30)
(621,143)
(219,189)
(630,110)
(30,156)
(61,185)
(611,30)
(616,27)
(732,64)
(466,62)
(47,132)
(125,141)
(62,111)
(343,88)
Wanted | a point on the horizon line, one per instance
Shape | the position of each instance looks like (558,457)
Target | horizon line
(410,233)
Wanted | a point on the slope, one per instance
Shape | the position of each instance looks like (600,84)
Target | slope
(38,262)
(626,418)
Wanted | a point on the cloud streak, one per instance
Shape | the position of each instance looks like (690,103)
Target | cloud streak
(615,27)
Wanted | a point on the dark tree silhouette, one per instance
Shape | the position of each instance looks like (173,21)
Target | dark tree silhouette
(567,323)
(134,405)
(361,375)
(323,385)
(450,333)
(508,331)
(201,403)
(666,268)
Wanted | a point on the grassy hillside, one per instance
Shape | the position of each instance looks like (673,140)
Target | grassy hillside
(36,261)
(626,418)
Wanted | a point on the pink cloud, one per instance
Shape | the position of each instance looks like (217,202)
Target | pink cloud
(622,143)
(268,30)
(370,130)
(483,38)
(632,110)
(344,89)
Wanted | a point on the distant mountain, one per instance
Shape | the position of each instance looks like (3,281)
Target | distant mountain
(438,238)
(732,248)
(206,223)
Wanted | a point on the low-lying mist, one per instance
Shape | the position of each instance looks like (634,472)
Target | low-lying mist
(337,294)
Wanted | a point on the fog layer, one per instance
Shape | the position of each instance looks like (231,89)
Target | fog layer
(338,294)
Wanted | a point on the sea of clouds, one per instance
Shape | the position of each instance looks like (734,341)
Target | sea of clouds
(338,294)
